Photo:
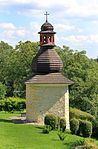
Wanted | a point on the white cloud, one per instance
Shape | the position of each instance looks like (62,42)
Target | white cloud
(42,3)
(35,26)
(32,12)
(93,38)
(7,26)
(21,32)
(76,40)
(84,8)
(64,27)
(81,39)
(10,31)
(13,34)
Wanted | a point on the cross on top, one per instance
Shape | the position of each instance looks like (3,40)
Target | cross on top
(46,16)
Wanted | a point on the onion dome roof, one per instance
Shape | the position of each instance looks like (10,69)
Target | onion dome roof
(47,27)
(47,61)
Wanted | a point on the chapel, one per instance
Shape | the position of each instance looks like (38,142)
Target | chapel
(47,90)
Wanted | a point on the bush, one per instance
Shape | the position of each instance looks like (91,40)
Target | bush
(90,144)
(12,104)
(61,135)
(62,124)
(78,114)
(47,129)
(67,131)
(2,91)
(85,128)
(51,120)
(95,129)
(58,123)
(74,125)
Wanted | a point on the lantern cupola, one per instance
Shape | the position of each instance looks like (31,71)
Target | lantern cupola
(47,34)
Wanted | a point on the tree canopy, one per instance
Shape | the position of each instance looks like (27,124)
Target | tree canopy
(15,68)
(84,73)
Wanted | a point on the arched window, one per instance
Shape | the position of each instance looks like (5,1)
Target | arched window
(45,39)
(49,38)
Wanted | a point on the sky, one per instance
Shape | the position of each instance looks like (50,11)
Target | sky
(75,22)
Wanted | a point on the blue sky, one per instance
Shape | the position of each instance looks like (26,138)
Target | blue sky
(75,21)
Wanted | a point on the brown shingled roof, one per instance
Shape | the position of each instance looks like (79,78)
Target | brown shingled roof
(47,64)
(47,60)
(50,78)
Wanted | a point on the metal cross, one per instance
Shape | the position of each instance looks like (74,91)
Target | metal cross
(46,16)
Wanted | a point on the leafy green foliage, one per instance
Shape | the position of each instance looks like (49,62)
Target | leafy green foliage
(74,125)
(15,66)
(68,131)
(85,128)
(2,91)
(95,128)
(51,120)
(62,124)
(90,144)
(84,72)
(12,104)
(46,129)
(61,135)
(78,114)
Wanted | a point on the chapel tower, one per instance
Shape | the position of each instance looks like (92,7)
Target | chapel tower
(47,90)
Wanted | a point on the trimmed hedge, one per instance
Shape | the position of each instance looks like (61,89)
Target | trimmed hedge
(74,125)
(12,104)
(90,144)
(62,124)
(85,128)
(78,114)
(51,120)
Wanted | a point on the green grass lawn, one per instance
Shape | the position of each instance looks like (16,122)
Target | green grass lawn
(24,136)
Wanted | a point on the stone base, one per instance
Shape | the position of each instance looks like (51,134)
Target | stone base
(44,99)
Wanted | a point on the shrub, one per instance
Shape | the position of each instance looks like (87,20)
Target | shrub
(12,104)
(90,144)
(85,128)
(78,114)
(62,124)
(61,135)
(47,129)
(67,131)
(74,125)
(95,129)
(51,119)
(58,123)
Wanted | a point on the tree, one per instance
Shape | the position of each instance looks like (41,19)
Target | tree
(84,73)
(2,91)
(15,66)
(21,66)
(5,51)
